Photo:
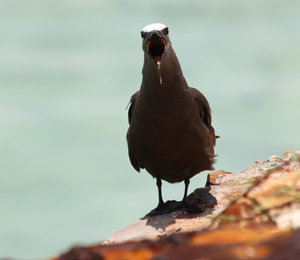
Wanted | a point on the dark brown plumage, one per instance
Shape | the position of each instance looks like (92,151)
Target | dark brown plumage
(170,133)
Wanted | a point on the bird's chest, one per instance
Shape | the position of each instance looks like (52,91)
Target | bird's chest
(163,128)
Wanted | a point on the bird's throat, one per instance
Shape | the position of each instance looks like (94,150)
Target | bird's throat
(156,47)
(158,62)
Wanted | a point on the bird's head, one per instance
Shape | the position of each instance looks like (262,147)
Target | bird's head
(156,42)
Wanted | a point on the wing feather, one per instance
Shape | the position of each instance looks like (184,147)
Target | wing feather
(132,155)
(204,112)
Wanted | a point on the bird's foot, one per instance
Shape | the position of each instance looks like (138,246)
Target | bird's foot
(159,210)
(190,208)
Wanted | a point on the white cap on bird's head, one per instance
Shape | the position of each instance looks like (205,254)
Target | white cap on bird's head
(154,26)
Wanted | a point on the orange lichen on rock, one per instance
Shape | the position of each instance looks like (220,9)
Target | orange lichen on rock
(230,236)
(188,246)
(213,177)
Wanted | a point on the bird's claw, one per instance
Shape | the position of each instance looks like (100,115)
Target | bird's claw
(159,210)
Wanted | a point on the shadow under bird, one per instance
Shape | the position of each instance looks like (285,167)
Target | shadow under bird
(170,133)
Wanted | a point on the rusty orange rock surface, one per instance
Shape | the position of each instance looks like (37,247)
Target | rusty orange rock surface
(254,214)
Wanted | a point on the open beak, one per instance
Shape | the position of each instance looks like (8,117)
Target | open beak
(156,47)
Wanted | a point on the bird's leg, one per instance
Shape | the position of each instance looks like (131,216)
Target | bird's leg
(161,207)
(186,186)
(184,205)
(160,199)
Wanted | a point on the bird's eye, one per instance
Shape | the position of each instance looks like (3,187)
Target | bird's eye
(166,31)
(143,34)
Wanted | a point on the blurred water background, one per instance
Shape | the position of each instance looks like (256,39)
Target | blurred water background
(67,71)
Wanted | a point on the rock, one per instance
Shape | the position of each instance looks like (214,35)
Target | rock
(213,177)
(254,214)
(81,253)
(290,154)
(225,188)
(275,158)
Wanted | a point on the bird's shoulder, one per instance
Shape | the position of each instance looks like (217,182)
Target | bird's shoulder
(131,105)
(132,155)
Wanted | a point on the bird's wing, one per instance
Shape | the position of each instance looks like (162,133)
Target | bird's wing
(204,111)
(132,155)
(131,105)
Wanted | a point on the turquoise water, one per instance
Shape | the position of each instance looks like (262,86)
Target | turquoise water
(67,71)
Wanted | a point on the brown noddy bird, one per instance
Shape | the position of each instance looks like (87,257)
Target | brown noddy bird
(170,133)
